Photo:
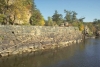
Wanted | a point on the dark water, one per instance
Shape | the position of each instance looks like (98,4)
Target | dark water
(78,55)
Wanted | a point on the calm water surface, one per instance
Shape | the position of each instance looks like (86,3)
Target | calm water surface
(85,54)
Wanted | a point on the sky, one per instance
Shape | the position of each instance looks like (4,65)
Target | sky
(90,9)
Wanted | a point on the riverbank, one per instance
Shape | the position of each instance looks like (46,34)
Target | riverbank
(24,49)
(75,55)
(19,39)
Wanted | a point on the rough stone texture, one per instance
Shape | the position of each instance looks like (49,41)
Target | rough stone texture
(17,39)
(98,33)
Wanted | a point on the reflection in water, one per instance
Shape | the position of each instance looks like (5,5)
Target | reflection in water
(77,55)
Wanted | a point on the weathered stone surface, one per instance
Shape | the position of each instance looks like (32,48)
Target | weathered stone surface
(11,43)
(66,24)
(18,39)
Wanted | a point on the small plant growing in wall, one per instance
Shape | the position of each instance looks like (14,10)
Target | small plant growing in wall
(1,38)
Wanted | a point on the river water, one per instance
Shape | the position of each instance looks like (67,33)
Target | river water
(85,54)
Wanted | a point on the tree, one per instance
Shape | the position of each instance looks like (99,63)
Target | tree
(57,18)
(75,24)
(74,18)
(50,22)
(95,20)
(37,18)
(16,11)
(21,10)
(98,20)
(81,26)
(4,10)
(81,19)
(68,16)
(4,6)
(2,16)
(96,23)
(92,28)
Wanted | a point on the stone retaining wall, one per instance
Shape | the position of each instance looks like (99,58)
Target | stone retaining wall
(19,39)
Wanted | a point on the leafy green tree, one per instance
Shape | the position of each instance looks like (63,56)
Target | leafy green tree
(99,21)
(1,18)
(91,27)
(74,18)
(4,10)
(37,18)
(50,22)
(71,16)
(68,16)
(81,19)
(75,24)
(95,20)
(96,23)
(57,18)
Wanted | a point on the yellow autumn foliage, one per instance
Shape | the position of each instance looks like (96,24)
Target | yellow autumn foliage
(81,27)
(42,22)
(18,11)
